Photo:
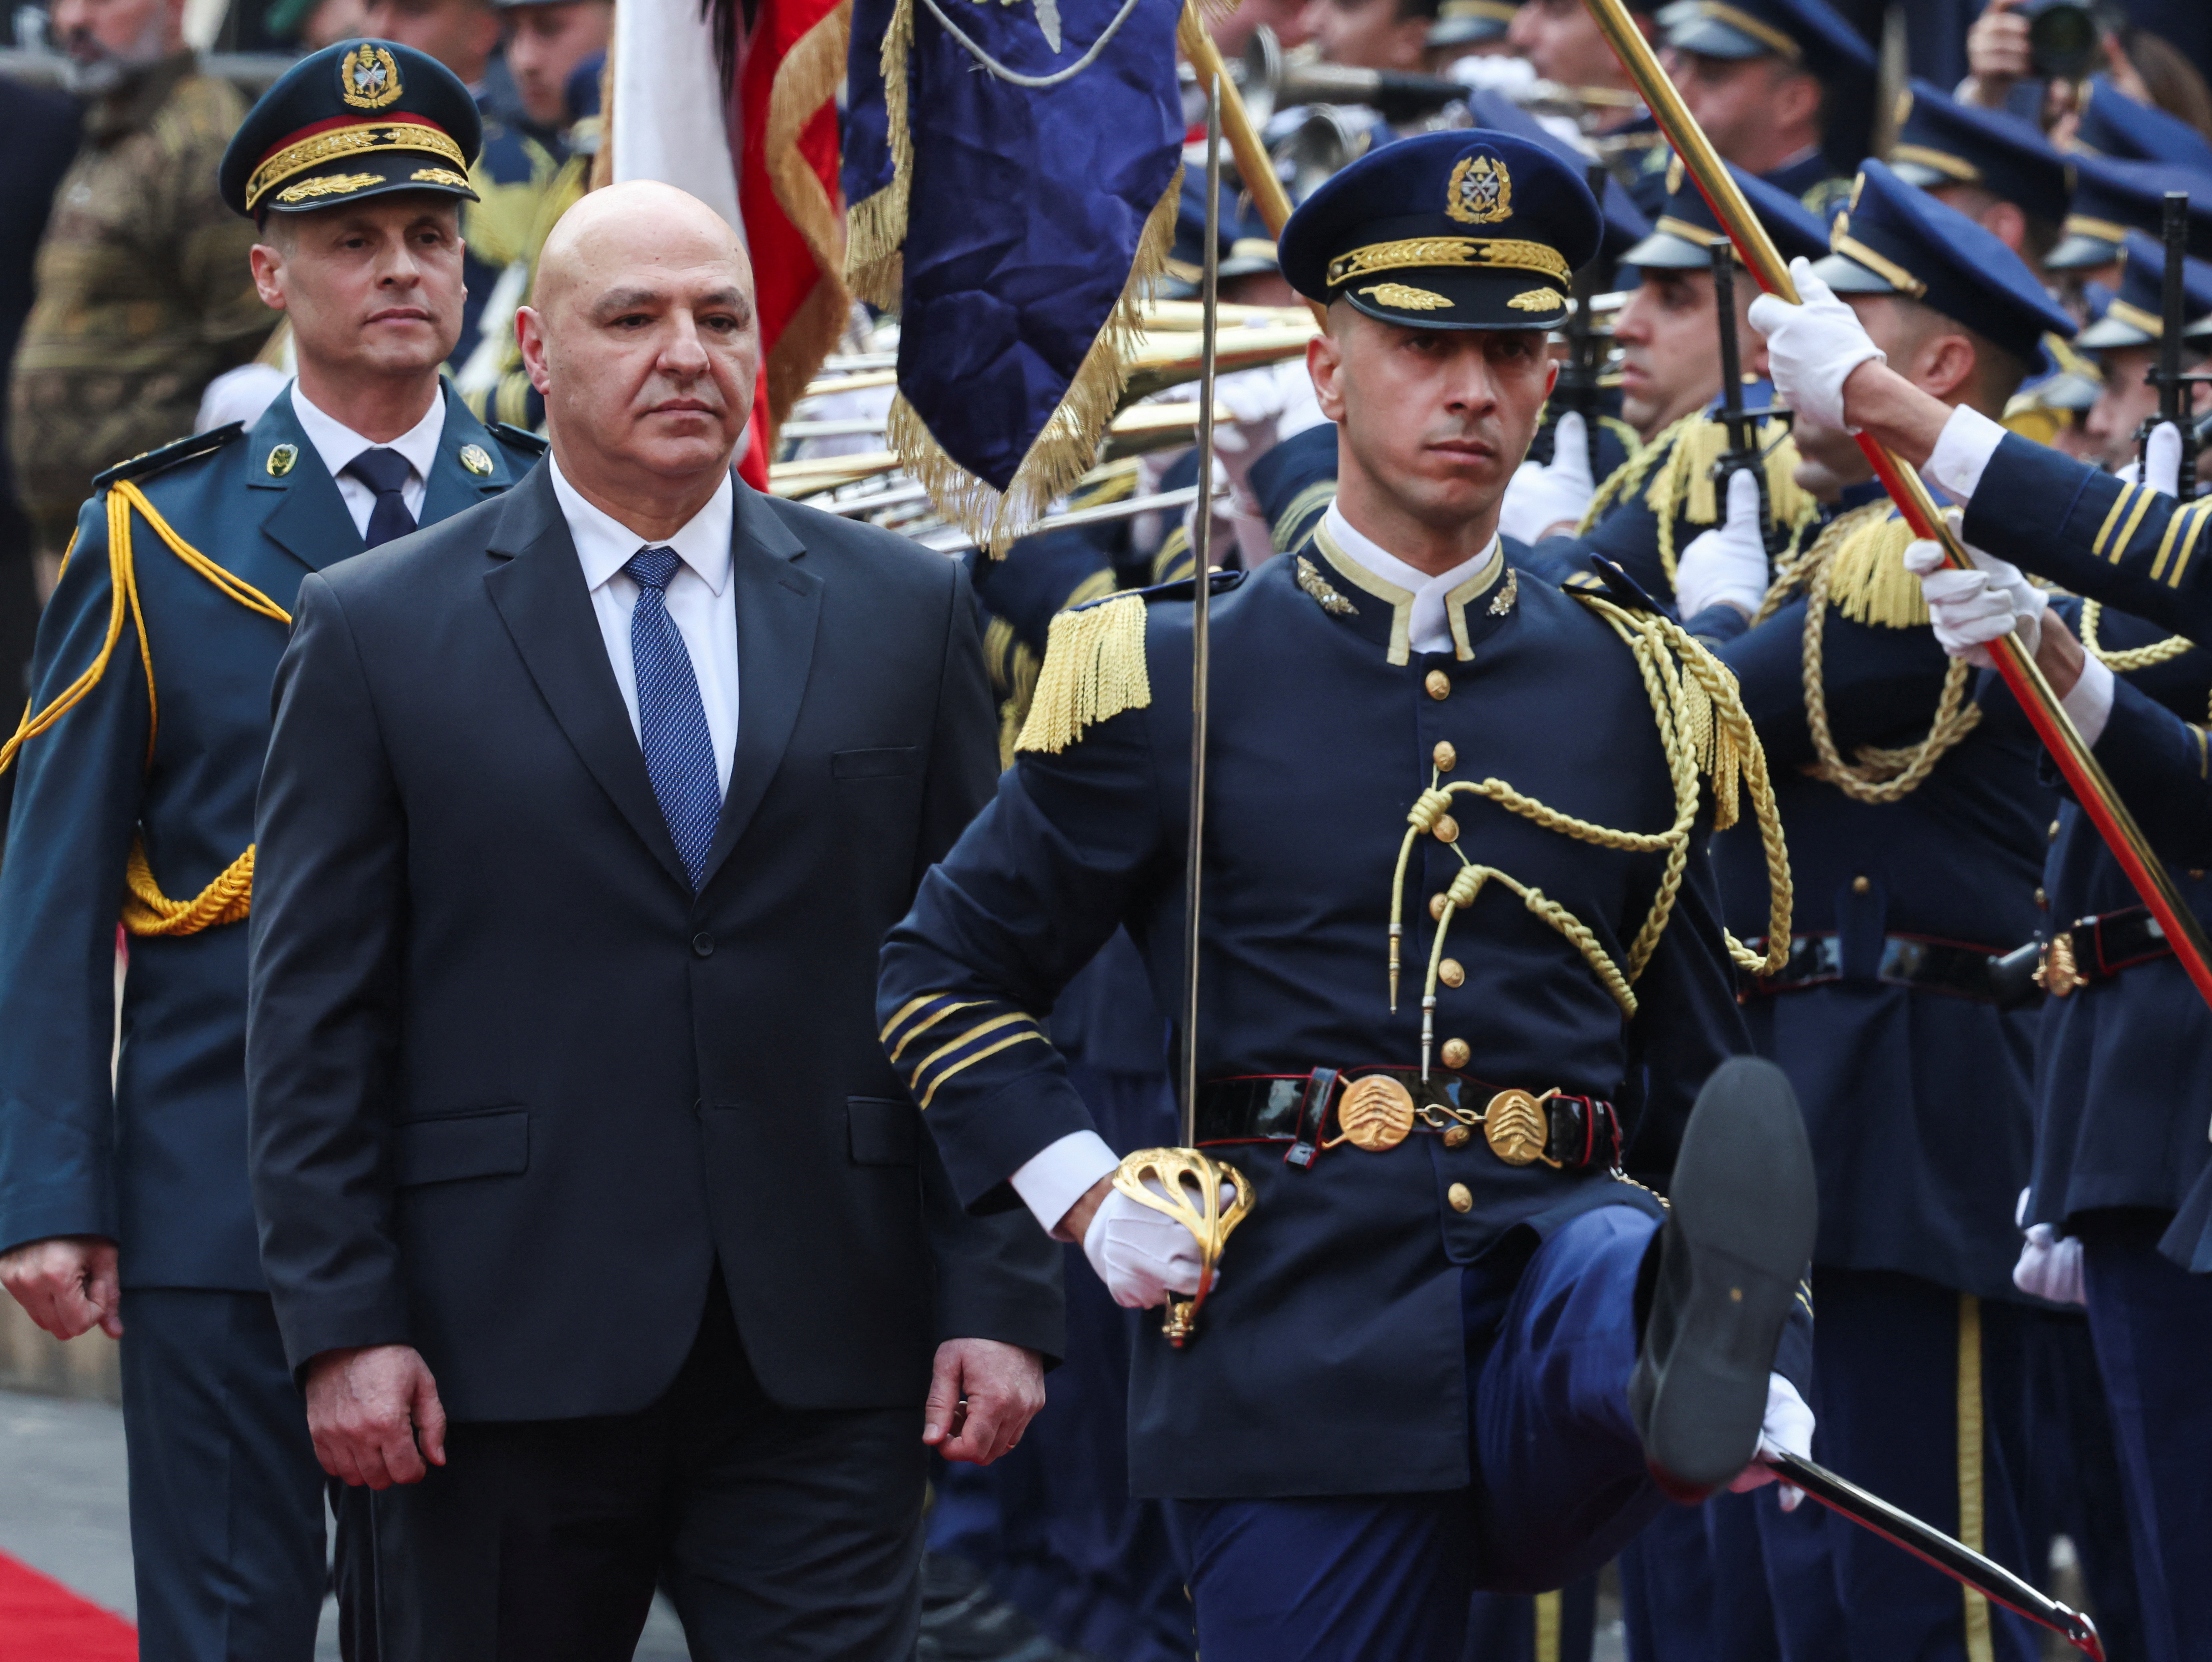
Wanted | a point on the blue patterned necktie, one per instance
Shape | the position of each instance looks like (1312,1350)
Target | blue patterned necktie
(671,721)
(383,471)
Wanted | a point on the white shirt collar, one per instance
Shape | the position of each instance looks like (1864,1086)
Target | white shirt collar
(604,545)
(338,444)
(1429,628)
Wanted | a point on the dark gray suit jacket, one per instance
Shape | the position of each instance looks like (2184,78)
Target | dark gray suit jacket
(514,1089)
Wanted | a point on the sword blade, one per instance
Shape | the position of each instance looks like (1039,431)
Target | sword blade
(1938,1551)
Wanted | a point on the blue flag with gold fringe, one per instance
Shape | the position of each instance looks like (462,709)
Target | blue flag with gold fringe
(1013,169)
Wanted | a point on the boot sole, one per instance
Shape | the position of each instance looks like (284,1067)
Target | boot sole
(1745,1212)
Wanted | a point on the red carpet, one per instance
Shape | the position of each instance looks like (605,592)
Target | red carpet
(42,1621)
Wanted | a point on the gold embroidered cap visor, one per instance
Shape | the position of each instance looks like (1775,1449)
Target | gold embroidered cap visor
(1454,282)
(348,163)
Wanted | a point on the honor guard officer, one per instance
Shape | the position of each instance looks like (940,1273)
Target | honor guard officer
(2116,126)
(2126,342)
(1644,515)
(2112,198)
(139,761)
(1995,168)
(1782,87)
(1459,951)
(1917,843)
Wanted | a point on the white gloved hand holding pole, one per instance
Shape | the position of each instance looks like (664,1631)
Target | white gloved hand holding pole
(1787,1429)
(1729,562)
(1541,500)
(2159,465)
(1970,609)
(1812,348)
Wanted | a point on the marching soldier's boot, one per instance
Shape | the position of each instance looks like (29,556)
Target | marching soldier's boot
(1725,1277)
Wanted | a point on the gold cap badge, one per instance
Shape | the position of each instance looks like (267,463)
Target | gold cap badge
(1480,192)
(476,460)
(368,77)
(281,460)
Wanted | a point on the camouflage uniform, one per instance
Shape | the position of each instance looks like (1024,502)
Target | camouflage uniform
(144,292)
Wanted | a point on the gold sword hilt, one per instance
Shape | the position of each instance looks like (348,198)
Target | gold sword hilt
(1189,1191)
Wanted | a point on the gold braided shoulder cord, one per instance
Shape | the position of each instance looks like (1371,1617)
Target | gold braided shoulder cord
(1702,727)
(2127,660)
(1880,773)
(1623,480)
(146,909)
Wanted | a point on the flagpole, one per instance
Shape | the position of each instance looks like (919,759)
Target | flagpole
(2082,772)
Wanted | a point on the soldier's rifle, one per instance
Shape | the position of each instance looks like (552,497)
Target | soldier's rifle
(1182,1182)
(1743,454)
(1579,388)
(2082,771)
(2176,390)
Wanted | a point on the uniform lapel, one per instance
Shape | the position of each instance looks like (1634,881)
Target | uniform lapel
(779,605)
(538,589)
(302,511)
(453,484)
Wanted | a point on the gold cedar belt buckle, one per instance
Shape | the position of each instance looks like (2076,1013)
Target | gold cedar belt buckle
(1377,1112)
(2056,974)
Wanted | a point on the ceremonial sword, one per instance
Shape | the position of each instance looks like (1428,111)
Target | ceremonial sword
(2082,772)
(1182,1182)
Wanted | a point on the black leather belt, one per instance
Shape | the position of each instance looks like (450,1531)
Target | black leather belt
(1377,1108)
(2098,947)
(1910,961)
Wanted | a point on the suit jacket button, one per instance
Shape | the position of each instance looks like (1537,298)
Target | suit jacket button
(703,944)
(1462,1198)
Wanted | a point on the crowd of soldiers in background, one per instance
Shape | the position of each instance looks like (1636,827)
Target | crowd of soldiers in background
(128,317)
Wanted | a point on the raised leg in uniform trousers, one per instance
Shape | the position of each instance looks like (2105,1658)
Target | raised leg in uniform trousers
(1921,1396)
(2152,1324)
(226,1495)
(1561,1484)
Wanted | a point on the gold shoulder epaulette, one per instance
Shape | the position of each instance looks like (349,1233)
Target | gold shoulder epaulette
(1867,581)
(1094,669)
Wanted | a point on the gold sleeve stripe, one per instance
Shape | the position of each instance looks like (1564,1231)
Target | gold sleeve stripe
(926,1022)
(981,1030)
(2104,531)
(969,1061)
(2144,498)
(911,1008)
(2196,513)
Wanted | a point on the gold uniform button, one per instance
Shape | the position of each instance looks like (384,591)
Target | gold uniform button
(1446,757)
(1450,973)
(1461,1197)
(1455,1053)
(1436,908)
(1860,885)
(1439,685)
(2054,830)
(1457,1136)
(2042,900)
(1446,828)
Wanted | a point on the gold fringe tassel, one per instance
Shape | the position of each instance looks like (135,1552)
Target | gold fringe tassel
(1094,669)
(875,228)
(1068,443)
(1868,582)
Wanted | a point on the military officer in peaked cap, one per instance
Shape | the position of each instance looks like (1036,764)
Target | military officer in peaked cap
(2112,198)
(1995,168)
(1461,964)
(1784,88)
(127,1208)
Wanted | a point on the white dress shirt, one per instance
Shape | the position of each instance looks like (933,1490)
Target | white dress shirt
(1061,1173)
(1428,628)
(338,444)
(702,601)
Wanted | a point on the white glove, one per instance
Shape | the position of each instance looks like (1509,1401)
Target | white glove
(1812,347)
(1973,607)
(1787,1429)
(1538,498)
(1143,1255)
(2049,1267)
(1728,562)
(2162,451)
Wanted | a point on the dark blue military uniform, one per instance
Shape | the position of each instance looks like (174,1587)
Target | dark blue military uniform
(2112,198)
(2114,126)
(1411,1380)
(135,801)
(1942,144)
(1916,844)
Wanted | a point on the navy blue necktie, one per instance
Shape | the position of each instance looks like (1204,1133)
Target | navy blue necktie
(671,721)
(383,471)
